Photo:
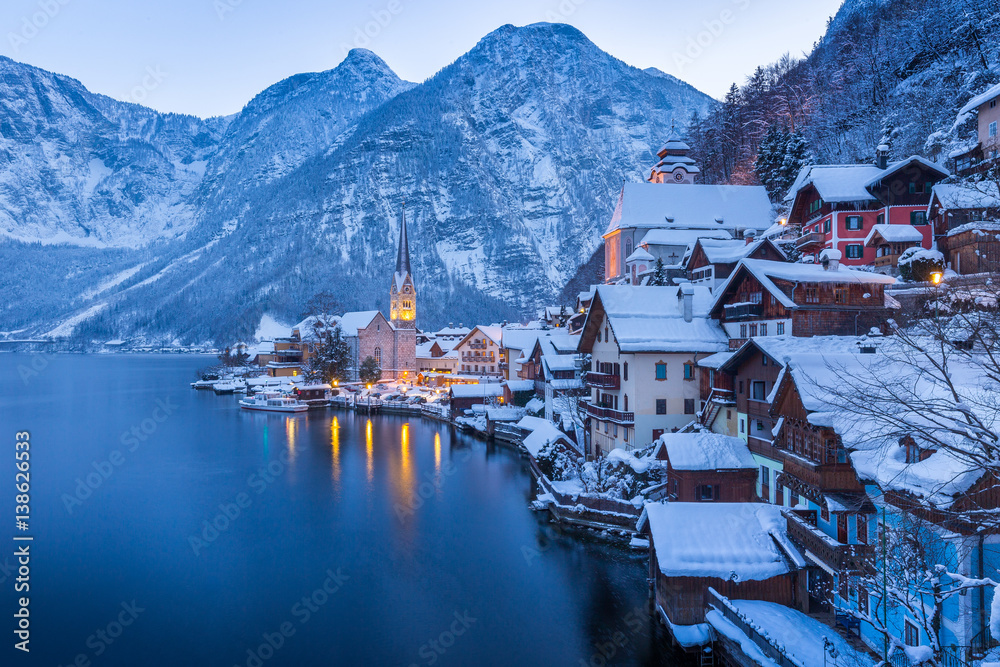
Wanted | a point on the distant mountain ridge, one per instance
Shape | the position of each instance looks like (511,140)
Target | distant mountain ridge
(509,160)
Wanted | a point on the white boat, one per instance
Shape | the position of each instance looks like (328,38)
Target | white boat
(272,402)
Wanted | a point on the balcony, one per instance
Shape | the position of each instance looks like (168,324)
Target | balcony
(810,239)
(829,477)
(739,311)
(839,557)
(609,415)
(885,260)
(477,346)
(603,380)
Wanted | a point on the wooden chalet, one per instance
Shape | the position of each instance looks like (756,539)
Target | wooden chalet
(713,260)
(707,467)
(764,298)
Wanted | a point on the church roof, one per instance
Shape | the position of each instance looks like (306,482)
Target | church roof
(719,207)
(403,253)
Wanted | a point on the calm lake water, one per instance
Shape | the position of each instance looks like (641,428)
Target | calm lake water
(172,528)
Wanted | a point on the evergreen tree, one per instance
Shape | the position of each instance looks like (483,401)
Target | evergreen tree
(659,277)
(370,373)
(770,159)
(331,354)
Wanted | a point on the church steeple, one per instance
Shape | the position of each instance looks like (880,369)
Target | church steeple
(403,293)
(674,166)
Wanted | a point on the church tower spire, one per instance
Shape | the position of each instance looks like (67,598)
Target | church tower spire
(675,166)
(403,293)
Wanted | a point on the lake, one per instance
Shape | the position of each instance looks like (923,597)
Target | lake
(172,528)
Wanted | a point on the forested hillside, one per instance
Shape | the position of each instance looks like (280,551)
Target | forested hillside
(886,71)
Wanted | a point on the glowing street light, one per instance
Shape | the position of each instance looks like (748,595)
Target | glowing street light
(936,278)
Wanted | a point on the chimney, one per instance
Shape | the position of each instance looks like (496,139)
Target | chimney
(830,258)
(882,156)
(686,295)
(750,235)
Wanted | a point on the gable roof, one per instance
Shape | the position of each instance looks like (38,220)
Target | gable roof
(350,323)
(851,182)
(649,205)
(494,332)
(719,251)
(765,270)
(961,196)
(651,319)
(980,99)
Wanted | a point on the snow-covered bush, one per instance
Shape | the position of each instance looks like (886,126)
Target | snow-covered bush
(918,264)
(619,474)
(557,463)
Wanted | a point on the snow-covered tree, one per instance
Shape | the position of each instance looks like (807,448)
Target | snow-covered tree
(331,354)
(370,373)
(659,277)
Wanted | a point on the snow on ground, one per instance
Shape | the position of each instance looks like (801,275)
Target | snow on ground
(270,328)
(113,281)
(67,326)
(800,635)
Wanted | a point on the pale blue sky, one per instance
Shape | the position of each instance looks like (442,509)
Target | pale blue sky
(209,57)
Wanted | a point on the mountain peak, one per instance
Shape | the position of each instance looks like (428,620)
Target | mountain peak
(364,59)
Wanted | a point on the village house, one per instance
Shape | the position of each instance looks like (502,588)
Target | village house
(764,298)
(707,467)
(517,342)
(713,260)
(966,221)
(836,206)
(982,154)
(739,550)
(553,365)
(463,396)
(644,344)
(665,220)
(436,357)
(480,353)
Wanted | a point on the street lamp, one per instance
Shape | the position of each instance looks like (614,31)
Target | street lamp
(936,278)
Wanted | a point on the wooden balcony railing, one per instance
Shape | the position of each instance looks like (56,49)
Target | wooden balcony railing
(607,414)
(810,239)
(839,557)
(828,477)
(603,380)
(739,311)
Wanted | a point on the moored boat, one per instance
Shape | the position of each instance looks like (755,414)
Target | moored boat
(272,402)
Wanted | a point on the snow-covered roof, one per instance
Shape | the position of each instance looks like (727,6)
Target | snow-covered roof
(715,360)
(542,433)
(560,362)
(494,332)
(895,233)
(482,390)
(983,226)
(519,338)
(765,271)
(520,385)
(452,332)
(639,255)
(836,182)
(682,237)
(730,541)
(980,99)
(705,450)
(804,639)
(651,319)
(898,166)
(351,322)
(962,196)
(649,205)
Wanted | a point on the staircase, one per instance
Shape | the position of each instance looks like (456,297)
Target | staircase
(707,657)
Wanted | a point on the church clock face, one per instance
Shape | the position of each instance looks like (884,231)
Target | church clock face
(678,176)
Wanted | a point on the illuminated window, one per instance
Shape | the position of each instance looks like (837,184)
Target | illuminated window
(378,356)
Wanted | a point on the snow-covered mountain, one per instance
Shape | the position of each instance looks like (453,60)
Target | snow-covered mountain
(508,160)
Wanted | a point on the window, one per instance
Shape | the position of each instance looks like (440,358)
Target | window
(854,223)
(625,371)
(625,432)
(779,493)
(757,390)
(753,330)
(378,357)
(763,360)
(993,129)
(855,251)
(765,477)
(689,406)
(688,371)
(880,219)
(812,295)
(760,425)
(661,370)
(781,328)
(606,338)
(661,406)
(626,402)
(911,634)
(815,206)
(614,430)
(918,217)
(706,492)
(826,227)
(743,331)
(763,329)
(862,529)
(824,512)
(741,386)
(743,426)
(840,295)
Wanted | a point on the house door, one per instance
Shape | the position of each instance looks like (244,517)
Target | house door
(657,432)
(842,528)
(820,585)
